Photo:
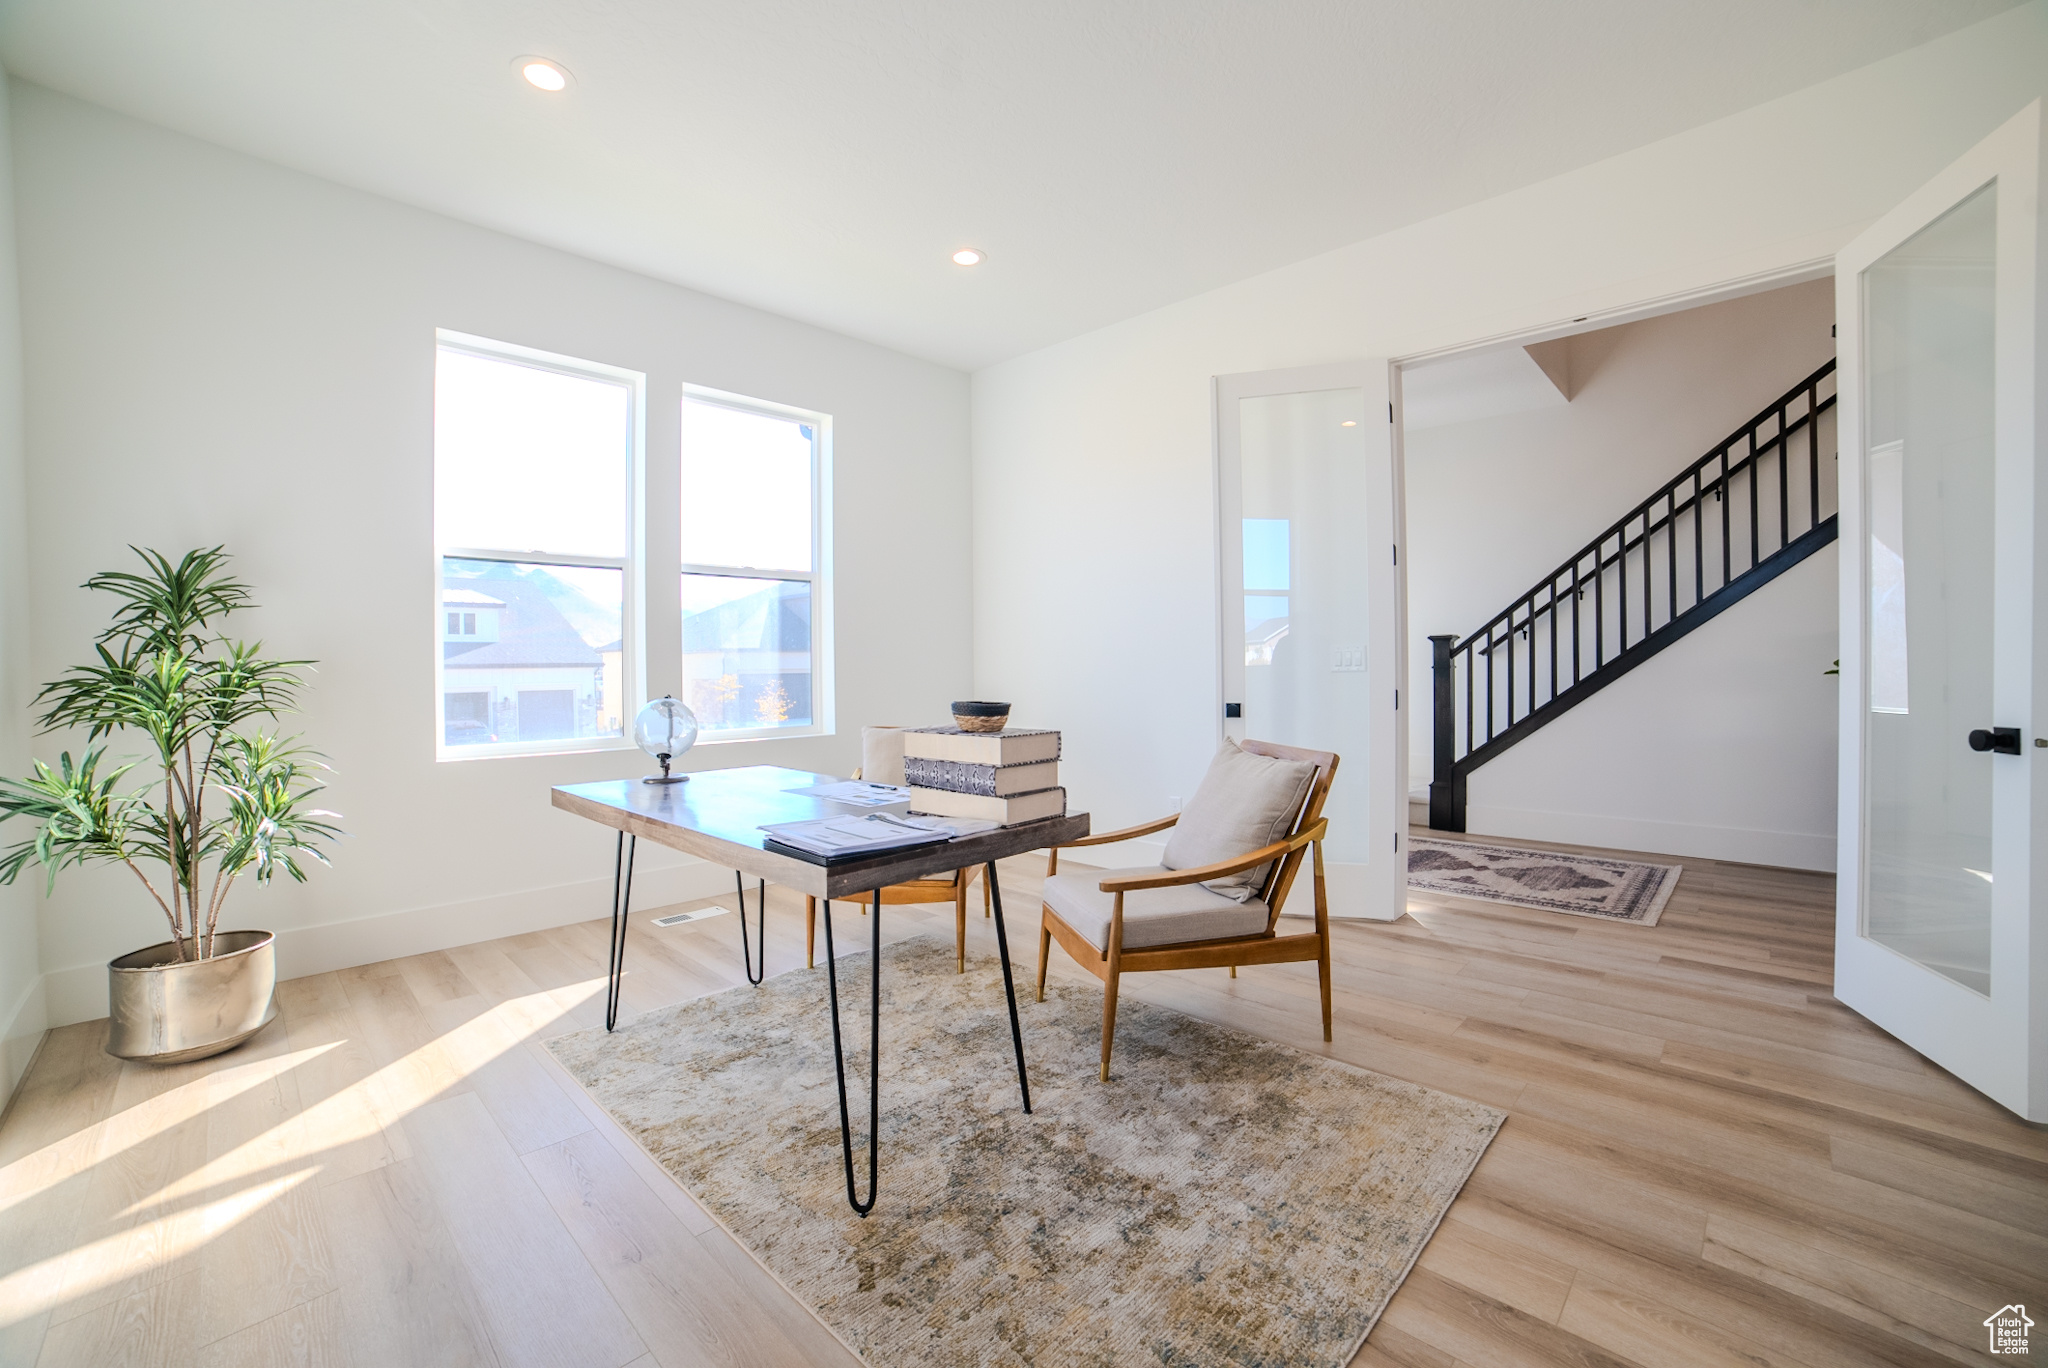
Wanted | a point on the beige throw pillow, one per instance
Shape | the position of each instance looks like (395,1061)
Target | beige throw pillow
(1246,801)
(881,755)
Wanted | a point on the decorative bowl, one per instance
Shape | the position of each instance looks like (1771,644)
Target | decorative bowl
(975,716)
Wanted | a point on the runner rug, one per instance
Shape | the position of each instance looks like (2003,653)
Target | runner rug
(1222,1200)
(1554,881)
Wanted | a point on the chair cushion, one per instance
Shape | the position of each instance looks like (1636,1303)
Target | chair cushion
(1246,801)
(1152,916)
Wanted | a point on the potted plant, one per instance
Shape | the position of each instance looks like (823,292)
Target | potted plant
(222,799)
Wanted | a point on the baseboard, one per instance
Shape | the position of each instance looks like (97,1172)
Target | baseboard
(27,1022)
(1783,849)
(79,993)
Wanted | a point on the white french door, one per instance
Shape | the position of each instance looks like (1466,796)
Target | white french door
(1941,931)
(1310,602)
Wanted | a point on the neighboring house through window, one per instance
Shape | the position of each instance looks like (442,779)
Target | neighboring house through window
(534,459)
(753,548)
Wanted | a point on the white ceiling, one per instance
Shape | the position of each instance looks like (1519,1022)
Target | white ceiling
(822,158)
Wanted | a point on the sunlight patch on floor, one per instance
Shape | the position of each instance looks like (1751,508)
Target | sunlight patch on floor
(34,1173)
(48,1283)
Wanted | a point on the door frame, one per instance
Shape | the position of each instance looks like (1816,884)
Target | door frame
(1295,379)
(1959,1029)
(1653,306)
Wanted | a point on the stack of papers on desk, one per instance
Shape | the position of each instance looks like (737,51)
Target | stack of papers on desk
(856,792)
(863,835)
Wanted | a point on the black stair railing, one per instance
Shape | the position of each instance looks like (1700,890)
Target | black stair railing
(1726,525)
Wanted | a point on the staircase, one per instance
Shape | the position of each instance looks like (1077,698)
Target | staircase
(1723,528)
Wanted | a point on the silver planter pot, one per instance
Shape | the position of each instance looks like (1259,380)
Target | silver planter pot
(163,1010)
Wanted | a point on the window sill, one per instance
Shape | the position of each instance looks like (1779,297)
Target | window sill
(517,750)
(725,738)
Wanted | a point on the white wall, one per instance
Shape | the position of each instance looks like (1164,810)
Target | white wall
(1725,745)
(1094,574)
(222,350)
(22,1014)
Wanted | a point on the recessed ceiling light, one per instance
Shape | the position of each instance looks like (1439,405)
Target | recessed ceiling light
(967,256)
(540,72)
(1349,422)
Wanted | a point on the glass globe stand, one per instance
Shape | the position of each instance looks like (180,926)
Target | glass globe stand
(665,729)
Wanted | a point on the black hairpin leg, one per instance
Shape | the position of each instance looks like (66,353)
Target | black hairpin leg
(740,889)
(853,1200)
(622,896)
(995,898)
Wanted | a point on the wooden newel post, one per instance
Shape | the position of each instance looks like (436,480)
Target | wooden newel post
(1446,785)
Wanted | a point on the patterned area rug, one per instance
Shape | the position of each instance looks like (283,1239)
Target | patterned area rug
(1224,1200)
(1554,881)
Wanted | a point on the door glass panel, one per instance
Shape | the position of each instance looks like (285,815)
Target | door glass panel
(1928,349)
(1302,467)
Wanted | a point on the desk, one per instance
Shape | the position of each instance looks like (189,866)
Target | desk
(718,815)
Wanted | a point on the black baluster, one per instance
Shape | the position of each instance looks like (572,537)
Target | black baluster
(1671,552)
(1489,681)
(1599,603)
(1577,595)
(1471,664)
(1649,572)
(1784,483)
(1621,591)
(1511,666)
(1532,653)
(1754,519)
(1553,636)
(1724,496)
(1813,452)
(1699,550)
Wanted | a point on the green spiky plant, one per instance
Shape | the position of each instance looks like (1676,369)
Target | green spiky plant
(224,797)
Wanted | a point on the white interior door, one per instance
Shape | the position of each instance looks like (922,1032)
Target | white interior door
(1940,934)
(1310,606)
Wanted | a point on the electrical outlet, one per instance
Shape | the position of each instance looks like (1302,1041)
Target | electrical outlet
(1349,659)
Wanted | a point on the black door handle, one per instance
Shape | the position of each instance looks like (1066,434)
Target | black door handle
(2001,740)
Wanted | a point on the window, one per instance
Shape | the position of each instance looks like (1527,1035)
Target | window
(535,473)
(752,548)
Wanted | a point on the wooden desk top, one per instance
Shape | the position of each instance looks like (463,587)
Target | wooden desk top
(718,815)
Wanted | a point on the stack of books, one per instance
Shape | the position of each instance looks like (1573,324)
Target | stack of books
(1003,777)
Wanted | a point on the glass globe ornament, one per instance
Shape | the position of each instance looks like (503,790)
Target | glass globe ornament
(665,729)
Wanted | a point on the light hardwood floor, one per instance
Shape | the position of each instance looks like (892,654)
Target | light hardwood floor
(1708,1160)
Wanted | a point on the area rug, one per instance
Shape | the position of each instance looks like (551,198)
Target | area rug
(1223,1200)
(1553,881)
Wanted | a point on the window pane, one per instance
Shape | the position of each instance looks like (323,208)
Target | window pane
(530,652)
(747,651)
(1265,626)
(1930,379)
(528,459)
(746,489)
(1266,563)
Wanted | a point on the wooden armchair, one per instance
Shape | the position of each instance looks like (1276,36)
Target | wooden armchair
(1171,903)
(952,888)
